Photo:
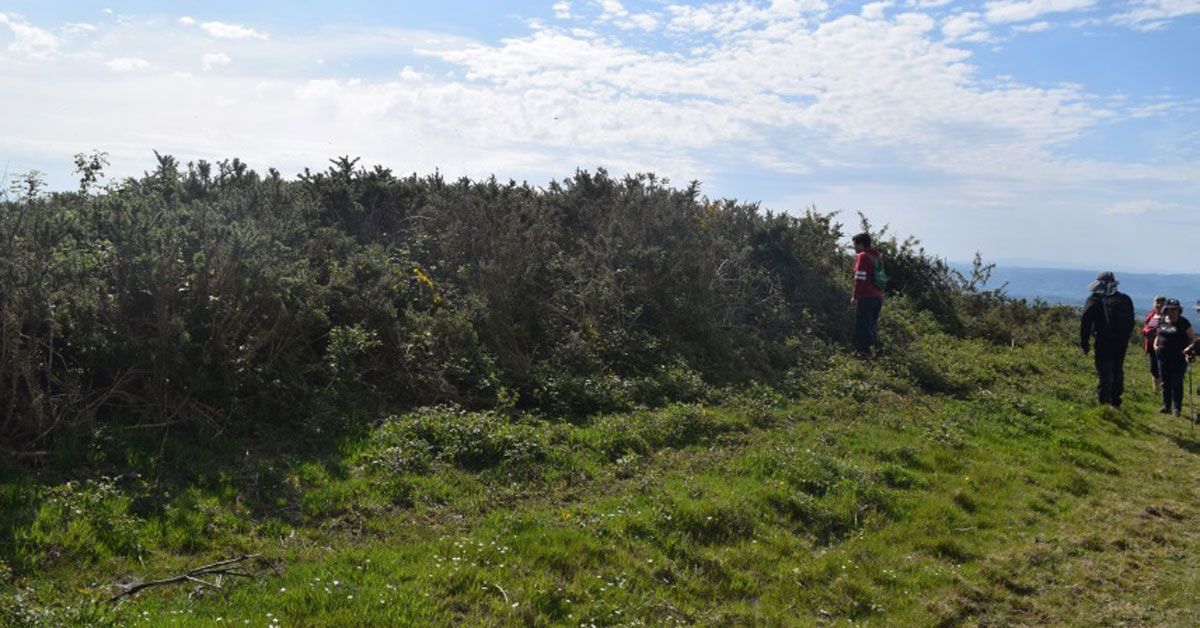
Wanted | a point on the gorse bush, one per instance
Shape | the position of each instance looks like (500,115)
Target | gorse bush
(213,297)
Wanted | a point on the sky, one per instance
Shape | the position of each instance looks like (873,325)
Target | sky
(1037,132)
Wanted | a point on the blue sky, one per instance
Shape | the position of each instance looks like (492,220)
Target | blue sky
(1064,132)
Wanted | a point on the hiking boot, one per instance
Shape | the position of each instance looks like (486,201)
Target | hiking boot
(1176,412)
(1164,410)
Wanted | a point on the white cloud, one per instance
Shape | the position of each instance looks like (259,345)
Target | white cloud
(562,10)
(1035,27)
(928,4)
(78,28)
(409,74)
(641,21)
(965,27)
(1162,107)
(613,8)
(796,8)
(29,40)
(1154,14)
(1138,207)
(875,10)
(724,18)
(538,57)
(126,65)
(999,11)
(186,21)
(845,85)
(616,13)
(223,30)
(211,60)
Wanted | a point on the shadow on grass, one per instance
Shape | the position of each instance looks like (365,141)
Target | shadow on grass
(17,510)
(1122,420)
(1189,443)
(172,479)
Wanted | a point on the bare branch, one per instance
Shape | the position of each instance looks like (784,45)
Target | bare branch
(219,568)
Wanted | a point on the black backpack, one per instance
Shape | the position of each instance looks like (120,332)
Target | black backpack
(1115,318)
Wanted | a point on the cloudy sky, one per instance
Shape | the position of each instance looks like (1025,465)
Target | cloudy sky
(1051,131)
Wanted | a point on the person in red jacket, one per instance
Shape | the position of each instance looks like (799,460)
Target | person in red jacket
(866,296)
(1149,330)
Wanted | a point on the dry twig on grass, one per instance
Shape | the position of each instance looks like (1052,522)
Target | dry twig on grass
(501,590)
(219,569)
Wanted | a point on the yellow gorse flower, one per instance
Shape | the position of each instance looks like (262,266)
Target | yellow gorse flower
(422,277)
(425,279)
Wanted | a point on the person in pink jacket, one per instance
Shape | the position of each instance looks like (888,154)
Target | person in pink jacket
(1149,330)
(866,296)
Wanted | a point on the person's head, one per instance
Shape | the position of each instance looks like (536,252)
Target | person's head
(861,242)
(1105,283)
(1171,309)
(1158,303)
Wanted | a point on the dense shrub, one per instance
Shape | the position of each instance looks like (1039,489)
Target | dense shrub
(213,297)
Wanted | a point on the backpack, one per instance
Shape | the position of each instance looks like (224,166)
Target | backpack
(1116,316)
(1151,326)
(878,274)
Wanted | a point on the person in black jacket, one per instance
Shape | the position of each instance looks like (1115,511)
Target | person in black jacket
(1173,344)
(1107,317)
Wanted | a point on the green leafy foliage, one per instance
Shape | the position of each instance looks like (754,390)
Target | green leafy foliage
(212,298)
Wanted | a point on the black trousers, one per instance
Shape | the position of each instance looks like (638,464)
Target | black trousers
(1172,366)
(866,324)
(1110,369)
(1153,364)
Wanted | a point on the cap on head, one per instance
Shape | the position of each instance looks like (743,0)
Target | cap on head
(1172,304)
(1105,282)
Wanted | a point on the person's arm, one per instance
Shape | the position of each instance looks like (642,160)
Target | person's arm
(1085,323)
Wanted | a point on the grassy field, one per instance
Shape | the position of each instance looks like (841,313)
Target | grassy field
(957,484)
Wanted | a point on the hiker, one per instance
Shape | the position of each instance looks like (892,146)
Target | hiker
(867,296)
(1149,328)
(1171,342)
(1108,317)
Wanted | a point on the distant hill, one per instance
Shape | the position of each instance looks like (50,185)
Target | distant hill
(1069,286)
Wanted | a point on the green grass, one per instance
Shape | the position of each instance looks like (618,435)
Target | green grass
(958,483)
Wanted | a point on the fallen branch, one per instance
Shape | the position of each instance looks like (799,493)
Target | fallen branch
(219,569)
